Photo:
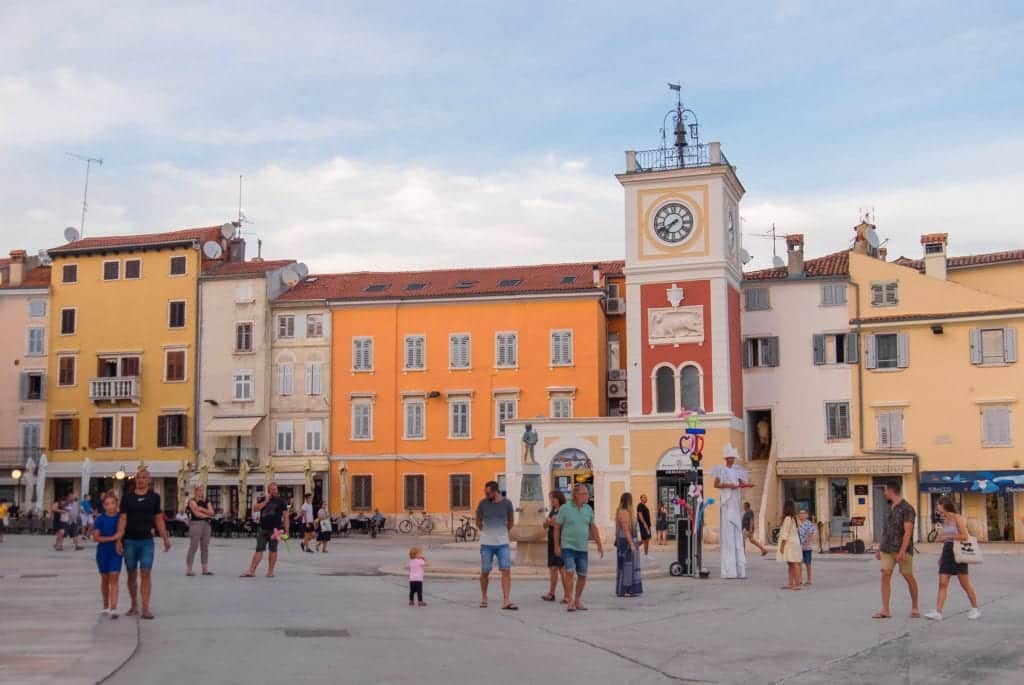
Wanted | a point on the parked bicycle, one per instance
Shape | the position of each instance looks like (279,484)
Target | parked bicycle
(466,531)
(423,524)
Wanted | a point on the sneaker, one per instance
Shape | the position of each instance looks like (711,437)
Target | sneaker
(105,611)
(974,614)
(933,615)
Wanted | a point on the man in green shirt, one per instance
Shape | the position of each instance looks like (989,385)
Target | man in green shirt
(573,528)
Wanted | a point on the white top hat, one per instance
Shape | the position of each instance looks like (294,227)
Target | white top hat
(730,452)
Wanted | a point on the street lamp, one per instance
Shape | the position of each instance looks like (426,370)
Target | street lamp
(16,474)
(120,475)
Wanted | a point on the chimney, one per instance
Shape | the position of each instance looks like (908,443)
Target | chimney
(935,254)
(597,275)
(17,268)
(795,252)
(883,253)
(236,250)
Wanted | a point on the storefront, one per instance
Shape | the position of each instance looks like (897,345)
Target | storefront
(572,467)
(990,500)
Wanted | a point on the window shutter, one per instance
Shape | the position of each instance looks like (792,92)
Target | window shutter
(870,359)
(772,352)
(127,431)
(818,345)
(843,421)
(555,347)
(976,357)
(317,370)
(95,433)
(748,296)
(877,294)
(748,353)
(309,378)
(42,386)
(852,348)
(1010,345)
(23,386)
(567,347)
(896,428)
(513,349)
(54,442)
(827,295)
(161,431)
(884,435)
(74,434)
(902,351)
(453,351)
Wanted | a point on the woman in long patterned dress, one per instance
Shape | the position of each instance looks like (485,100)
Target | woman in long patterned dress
(627,554)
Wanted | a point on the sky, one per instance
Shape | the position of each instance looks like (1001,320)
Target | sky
(417,135)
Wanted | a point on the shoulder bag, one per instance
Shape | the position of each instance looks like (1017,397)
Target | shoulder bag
(967,551)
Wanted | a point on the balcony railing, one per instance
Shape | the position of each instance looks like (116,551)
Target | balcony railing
(231,457)
(15,457)
(661,159)
(115,388)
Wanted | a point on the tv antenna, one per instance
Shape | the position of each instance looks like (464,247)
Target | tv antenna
(772,235)
(89,161)
(242,218)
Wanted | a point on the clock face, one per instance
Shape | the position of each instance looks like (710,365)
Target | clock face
(731,230)
(673,223)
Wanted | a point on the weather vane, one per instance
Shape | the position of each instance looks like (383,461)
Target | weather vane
(683,119)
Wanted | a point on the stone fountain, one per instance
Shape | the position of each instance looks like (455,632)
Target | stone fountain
(529,534)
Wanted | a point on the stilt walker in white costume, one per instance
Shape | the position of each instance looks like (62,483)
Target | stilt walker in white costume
(730,480)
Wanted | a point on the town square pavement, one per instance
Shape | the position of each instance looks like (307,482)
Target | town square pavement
(337,618)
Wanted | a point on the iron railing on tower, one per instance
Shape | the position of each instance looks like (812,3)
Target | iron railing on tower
(677,157)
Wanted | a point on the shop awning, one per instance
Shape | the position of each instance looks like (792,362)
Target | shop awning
(107,469)
(972,481)
(233,425)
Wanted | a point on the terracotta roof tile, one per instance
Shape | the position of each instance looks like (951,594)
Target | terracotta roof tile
(253,267)
(115,242)
(828,266)
(939,315)
(934,238)
(36,278)
(966,261)
(479,282)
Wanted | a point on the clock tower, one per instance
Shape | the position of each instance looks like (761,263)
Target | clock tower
(683,274)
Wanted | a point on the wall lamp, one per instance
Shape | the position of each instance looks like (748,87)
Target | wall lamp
(937,328)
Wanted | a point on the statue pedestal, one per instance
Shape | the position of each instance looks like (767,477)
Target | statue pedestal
(529,534)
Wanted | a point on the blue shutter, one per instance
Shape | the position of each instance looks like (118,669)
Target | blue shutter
(976,355)
(902,351)
(870,358)
(852,348)
(818,346)
(1010,345)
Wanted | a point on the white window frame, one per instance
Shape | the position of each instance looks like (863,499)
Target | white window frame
(498,338)
(833,294)
(407,404)
(252,337)
(499,402)
(124,269)
(285,378)
(566,402)
(184,365)
(315,378)
(359,356)
(754,296)
(60,323)
(978,347)
(467,405)
(284,437)
(314,438)
(103,270)
(836,405)
(316,321)
(561,347)
(762,356)
(184,318)
(405,492)
(890,421)
(26,427)
(408,349)
(988,440)
(29,351)
(33,305)
(460,359)
(242,379)
(170,266)
(369,506)
(285,326)
(357,407)
(469,491)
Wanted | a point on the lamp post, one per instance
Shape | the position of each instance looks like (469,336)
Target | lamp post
(16,474)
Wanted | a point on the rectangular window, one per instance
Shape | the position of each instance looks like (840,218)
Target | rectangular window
(64,434)
(459,491)
(68,321)
(507,353)
(101,432)
(561,407)
(755,299)
(243,337)
(561,348)
(458,414)
(111,271)
(174,366)
(362,492)
(127,439)
(413,423)
(178,266)
(362,354)
(314,435)
(415,352)
(314,325)
(176,314)
(245,293)
(285,436)
(890,429)
(132,269)
(837,420)
(36,342)
(760,352)
(993,345)
(170,430)
(835,348)
(32,385)
(885,294)
(37,308)
(833,294)
(286,326)
(995,427)
(242,383)
(69,273)
(130,366)
(285,379)
(414,491)
(66,370)
(362,421)
(506,411)
(458,351)
(315,378)
(31,438)
(887,351)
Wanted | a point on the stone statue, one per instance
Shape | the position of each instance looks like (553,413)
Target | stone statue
(530,438)
(764,439)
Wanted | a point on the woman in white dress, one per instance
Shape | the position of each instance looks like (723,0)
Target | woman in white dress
(789,546)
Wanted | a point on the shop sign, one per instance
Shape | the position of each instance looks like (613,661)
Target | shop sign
(846,467)
(945,482)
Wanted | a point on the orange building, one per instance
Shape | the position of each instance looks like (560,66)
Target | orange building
(427,367)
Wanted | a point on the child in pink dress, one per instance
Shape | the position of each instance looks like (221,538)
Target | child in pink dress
(417,564)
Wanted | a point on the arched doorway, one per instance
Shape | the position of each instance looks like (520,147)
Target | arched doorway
(569,468)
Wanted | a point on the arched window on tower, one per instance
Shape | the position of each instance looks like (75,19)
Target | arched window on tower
(689,383)
(665,390)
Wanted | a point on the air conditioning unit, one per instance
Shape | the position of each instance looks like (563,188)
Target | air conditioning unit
(624,406)
(616,389)
(616,374)
(615,305)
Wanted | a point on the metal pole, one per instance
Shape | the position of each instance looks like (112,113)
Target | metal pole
(85,197)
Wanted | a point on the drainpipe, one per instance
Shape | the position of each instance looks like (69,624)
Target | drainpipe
(199,359)
(860,415)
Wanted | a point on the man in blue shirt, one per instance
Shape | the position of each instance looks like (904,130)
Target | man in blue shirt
(573,528)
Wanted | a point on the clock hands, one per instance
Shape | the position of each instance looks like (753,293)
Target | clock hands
(673,222)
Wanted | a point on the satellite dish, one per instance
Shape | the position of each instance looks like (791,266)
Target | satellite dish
(745,256)
(778,262)
(71,234)
(212,249)
(872,237)
(302,269)
(44,258)
(228,231)
(290,276)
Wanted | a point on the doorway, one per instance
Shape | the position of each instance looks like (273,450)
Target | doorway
(999,513)
(879,504)
(838,504)
(572,467)
(759,427)
(801,491)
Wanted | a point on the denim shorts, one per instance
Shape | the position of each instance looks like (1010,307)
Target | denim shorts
(487,554)
(575,561)
(807,556)
(138,553)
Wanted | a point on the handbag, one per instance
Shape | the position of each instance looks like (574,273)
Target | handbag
(967,551)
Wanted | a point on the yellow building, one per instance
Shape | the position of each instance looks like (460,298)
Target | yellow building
(122,363)
(940,383)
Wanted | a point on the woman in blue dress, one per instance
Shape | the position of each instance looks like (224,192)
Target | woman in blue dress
(108,561)
(627,553)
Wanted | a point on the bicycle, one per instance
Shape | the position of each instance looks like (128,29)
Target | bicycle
(423,525)
(466,531)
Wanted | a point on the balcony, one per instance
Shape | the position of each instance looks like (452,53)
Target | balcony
(115,389)
(231,457)
(662,159)
(16,457)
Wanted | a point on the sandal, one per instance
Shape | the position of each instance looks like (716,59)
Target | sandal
(207,573)
(548,597)
(483,605)
(148,616)
(132,612)
(189,573)
(510,607)
(247,575)
(879,614)
(570,608)
(580,607)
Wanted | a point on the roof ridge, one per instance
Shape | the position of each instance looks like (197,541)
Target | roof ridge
(550,265)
